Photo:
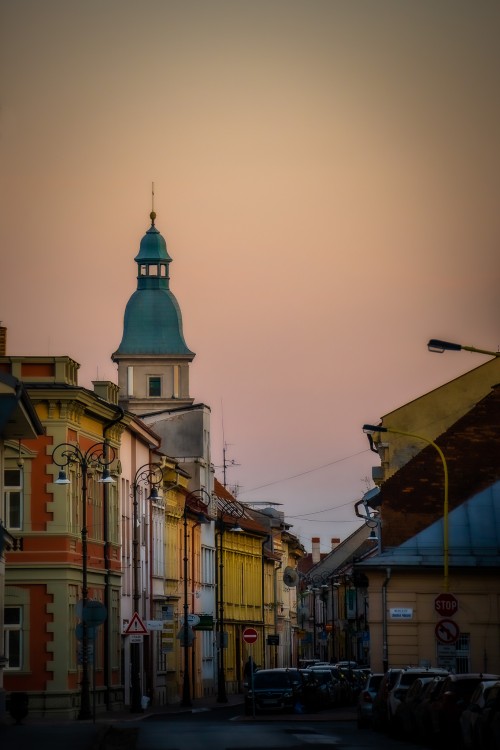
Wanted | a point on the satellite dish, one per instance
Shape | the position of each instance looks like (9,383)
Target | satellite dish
(290,577)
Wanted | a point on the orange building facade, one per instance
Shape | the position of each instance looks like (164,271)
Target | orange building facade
(43,588)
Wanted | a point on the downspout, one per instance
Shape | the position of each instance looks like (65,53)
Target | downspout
(385,650)
(275,592)
(107,565)
(264,653)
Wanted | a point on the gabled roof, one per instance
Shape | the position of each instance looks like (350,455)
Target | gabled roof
(241,514)
(355,545)
(473,537)
(18,418)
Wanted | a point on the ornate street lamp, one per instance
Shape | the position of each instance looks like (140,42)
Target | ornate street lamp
(148,475)
(98,456)
(194,498)
(370,429)
(228,513)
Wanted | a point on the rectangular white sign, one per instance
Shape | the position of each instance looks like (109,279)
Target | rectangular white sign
(154,624)
(401,613)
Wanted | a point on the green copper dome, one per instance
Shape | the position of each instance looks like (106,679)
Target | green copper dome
(153,321)
(153,246)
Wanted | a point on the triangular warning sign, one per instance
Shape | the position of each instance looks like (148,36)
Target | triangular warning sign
(136,626)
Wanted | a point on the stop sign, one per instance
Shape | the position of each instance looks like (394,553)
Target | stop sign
(446,604)
(250,635)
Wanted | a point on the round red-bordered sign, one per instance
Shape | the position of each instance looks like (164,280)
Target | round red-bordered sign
(447,632)
(446,604)
(250,635)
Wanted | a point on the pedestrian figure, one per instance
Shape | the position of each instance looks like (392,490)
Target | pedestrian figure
(249,669)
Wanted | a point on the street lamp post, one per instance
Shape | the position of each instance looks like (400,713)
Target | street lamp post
(334,585)
(369,429)
(313,589)
(202,518)
(233,510)
(147,475)
(98,456)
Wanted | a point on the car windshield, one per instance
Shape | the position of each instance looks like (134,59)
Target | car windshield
(464,688)
(272,680)
(409,679)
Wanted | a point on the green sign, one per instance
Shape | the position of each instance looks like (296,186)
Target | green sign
(206,623)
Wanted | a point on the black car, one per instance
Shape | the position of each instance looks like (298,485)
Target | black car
(274,690)
(320,689)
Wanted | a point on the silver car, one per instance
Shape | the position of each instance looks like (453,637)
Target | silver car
(365,699)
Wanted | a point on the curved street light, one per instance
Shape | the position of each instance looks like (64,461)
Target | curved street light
(437,346)
(149,475)
(369,429)
(200,498)
(228,513)
(98,456)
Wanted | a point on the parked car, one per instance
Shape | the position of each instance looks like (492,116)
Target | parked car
(356,679)
(406,711)
(320,688)
(342,688)
(379,709)
(473,711)
(366,697)
(274,690)
(487,727)
(404,681)
(453,698)
(421,712)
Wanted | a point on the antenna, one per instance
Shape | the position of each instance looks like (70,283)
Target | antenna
(225,462)
(152,215)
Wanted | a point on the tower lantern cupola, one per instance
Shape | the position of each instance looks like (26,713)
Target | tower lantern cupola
(153,358)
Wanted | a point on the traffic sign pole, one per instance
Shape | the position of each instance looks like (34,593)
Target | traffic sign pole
(250,636)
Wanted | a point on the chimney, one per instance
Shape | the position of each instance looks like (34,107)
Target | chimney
(335,542)
(3,341)
(316,554)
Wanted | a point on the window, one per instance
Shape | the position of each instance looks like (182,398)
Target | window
(463,653)
(176,379)
(154,386)
(13,498)
(13,637)
(208,566)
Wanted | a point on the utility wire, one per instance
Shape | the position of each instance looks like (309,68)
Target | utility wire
(308,471)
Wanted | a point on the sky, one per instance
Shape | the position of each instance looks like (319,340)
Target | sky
(326,176)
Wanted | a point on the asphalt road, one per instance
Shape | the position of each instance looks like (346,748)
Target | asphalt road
(226,728)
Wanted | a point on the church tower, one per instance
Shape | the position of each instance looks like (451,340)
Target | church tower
(153,358)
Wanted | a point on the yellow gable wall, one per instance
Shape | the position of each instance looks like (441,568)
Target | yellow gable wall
(432,414)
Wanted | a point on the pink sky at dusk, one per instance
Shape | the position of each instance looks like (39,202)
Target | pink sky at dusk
(326,179)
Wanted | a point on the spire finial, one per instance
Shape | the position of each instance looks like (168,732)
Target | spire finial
(152,215)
